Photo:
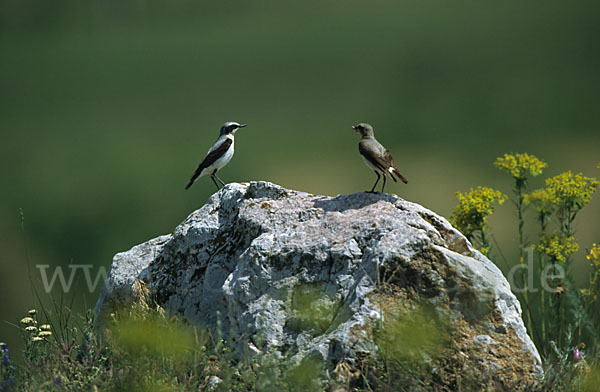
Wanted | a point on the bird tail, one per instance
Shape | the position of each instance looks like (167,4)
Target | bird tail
(189,184)
(192,180)
(395,172)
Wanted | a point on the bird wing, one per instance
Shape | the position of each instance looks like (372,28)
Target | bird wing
(214,153)
(381,158)
(368,150)
(388,157)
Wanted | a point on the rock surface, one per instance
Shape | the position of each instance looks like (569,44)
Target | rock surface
(253,257)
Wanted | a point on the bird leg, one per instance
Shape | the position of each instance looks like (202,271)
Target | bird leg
(221,181)
(383,186)
(212,177)
(373,189)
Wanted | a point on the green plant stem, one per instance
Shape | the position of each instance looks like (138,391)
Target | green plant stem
(554,324)
(543,312)
(519,188)
(485,243)
(520,185)
(568,214)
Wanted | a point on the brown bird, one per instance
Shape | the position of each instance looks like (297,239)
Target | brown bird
(376,156)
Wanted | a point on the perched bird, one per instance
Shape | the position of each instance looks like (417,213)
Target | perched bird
(218,155)
(376,157)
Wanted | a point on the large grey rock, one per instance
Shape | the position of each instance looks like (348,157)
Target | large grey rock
(252,257)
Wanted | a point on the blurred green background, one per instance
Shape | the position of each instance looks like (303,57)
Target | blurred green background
(107,107)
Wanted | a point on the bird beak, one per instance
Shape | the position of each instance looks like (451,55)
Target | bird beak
(242,125)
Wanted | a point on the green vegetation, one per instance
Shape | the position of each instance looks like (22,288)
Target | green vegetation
(561,319)
(141,349)
(471,214)
(312,310)
(106,108)
(411,343)
(144,350)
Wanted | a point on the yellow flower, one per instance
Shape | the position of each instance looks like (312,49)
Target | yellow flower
(474,207)
(32,312)
(594,255)
(31,328)
(36,339)
(542,199)
(45,327)
(520,165)
(43,334)
(559,248)
(568,189)
(585,292)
